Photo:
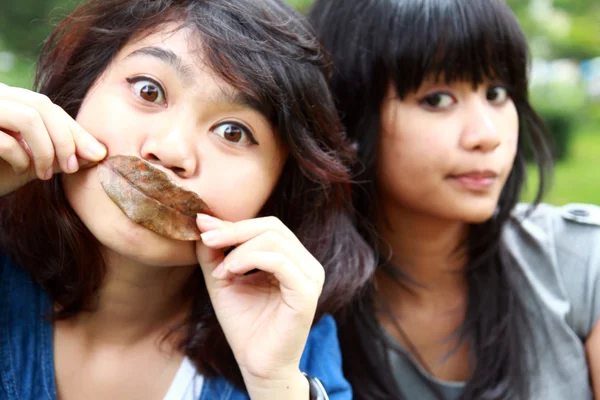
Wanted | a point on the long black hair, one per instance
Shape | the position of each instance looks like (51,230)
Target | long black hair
(267,51)
(373,43)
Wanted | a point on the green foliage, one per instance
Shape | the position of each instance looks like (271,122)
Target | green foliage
(26,23)
(576,179)
(560,106)
(301,5)
(570,30)
(21,75)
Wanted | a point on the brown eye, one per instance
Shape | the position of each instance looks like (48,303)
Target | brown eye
(497,95)
(234,133)
(148,90)
(438,101)
(149,93)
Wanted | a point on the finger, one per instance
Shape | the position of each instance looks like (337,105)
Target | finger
(54,119)
(303,261)
(60,134)
(12,152)
(209,259)
(59,124)
(28,123)
(218,233)
(88,147)
(288,275)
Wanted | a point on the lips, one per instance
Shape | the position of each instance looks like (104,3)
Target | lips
(478,180)
(149,197)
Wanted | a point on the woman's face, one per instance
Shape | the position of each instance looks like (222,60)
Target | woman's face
(447,150)
(157,101)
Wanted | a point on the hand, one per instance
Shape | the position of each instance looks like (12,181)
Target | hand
(38,139)
(267,315)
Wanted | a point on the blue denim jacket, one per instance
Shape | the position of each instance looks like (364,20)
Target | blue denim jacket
(26,349)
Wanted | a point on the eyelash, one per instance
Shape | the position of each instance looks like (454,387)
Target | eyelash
(139,78)
(423,100)
(239,125)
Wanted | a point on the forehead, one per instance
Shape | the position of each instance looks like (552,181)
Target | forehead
(181,50)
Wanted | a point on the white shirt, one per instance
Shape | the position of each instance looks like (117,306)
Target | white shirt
(187,383)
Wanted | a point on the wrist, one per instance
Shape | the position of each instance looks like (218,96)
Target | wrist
(292,387)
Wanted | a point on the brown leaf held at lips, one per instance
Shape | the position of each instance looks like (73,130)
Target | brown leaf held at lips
(149,197)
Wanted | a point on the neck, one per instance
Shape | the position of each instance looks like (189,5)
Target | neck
(428,250)
(135,302)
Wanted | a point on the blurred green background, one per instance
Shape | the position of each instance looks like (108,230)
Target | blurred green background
(564,36)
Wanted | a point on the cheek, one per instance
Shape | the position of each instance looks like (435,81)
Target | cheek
(510,126)
(240,190)
(409,158)
(104,114)
(115,231)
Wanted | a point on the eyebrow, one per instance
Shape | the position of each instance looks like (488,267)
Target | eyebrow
(225,96)
(169,57)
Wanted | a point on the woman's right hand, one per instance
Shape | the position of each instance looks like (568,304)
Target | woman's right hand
(39,139)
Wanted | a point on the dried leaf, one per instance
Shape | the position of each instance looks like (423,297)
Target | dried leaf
(149,197)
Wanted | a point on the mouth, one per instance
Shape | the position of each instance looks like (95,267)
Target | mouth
(149,197)
(478,180)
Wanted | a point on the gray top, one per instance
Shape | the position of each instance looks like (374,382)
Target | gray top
(558,252)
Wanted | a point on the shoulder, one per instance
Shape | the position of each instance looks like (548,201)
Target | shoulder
(322,358)
(572,214)
(573,229)
(25,337)
(14,280)
(22,301)
(558,250)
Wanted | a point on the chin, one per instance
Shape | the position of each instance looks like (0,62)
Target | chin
(136,243)
(117,233)
(478,218)
(477,212)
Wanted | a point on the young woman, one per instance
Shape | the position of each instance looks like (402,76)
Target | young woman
(229,100)
(476,297)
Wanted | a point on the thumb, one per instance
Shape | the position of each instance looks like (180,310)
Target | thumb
(210,261)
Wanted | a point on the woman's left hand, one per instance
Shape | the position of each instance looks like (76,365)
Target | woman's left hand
(267,315)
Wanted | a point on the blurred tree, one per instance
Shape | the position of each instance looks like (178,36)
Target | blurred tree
(26,23)
(561,28)
(556,28)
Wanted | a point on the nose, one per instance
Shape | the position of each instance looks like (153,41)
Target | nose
(480,133)
(171,146)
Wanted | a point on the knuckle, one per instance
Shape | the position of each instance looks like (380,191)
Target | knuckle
(64,144)
(318,277)
(281,261)
(44,159)
(58,110)
(273,223)
(272,220)
(274,238)
(7,146)
(31,118)
(316,273)
(41,100)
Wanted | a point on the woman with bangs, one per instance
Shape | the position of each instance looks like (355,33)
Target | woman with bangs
(222,100)
(476,296)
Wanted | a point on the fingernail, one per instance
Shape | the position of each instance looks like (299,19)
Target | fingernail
(72,164)
(219,272)
(96,149)
(232,265)
(49,173)
(210,236)
(208,223)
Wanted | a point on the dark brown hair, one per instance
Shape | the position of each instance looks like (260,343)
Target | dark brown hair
(266,50)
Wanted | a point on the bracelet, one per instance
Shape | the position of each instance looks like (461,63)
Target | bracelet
(316,389)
